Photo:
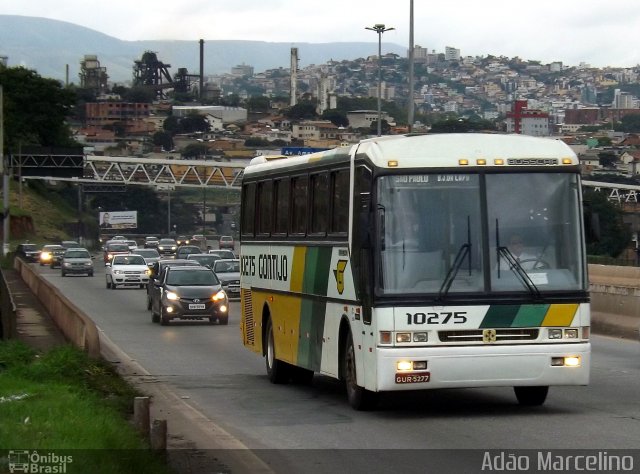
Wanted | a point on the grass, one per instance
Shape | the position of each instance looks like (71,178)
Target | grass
(62,400)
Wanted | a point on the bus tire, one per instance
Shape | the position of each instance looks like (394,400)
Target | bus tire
(531,396)
(301,376)
(278,371)
(359,398)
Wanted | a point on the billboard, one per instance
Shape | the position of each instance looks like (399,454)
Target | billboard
(118,220)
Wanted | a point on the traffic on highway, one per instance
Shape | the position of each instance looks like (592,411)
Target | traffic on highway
(310,426)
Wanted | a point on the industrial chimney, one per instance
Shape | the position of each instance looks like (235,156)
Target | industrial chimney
(201,70)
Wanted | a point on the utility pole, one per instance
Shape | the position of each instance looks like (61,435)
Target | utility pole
(4,170)
(379,28)
(410,105)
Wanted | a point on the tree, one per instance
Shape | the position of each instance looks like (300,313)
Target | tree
(139,94)
(163,139)
(629,123)
(171,124)
(195,150)
(258,104)
(302,111)
(194,122)
(337,117)
(35,109)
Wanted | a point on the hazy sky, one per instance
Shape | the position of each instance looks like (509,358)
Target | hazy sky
(598,32)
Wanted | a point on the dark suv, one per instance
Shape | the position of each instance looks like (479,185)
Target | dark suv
(29,252)
(192,292)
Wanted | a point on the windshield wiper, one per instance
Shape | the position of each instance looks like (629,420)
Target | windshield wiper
(520,272)
(463,252)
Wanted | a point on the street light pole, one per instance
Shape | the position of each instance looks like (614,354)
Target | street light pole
(379,28)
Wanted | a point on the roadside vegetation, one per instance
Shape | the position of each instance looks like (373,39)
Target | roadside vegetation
(62,400)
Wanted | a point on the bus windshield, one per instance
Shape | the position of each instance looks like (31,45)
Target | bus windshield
(448,234)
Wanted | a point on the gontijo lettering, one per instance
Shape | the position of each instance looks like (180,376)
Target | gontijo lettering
(268,266)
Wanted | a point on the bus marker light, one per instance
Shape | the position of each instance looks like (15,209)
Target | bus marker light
(463,162)
(392,163)
(566,161)
(481,162)
(498,161)
(404,365)
(403,337)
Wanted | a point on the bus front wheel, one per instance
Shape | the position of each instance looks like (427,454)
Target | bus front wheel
(277,370)
(359,397)
(531,396)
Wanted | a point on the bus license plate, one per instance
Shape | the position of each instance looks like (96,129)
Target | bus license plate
(416,377)
(197,306)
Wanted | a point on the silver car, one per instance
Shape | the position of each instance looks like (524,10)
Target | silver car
(76,261)
(150,255)
(228,272)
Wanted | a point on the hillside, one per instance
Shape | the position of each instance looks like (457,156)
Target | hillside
(48,46)
(49,214)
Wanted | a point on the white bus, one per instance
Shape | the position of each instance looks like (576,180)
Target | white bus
(395,264)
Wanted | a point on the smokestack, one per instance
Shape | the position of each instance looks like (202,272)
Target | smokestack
(201,70)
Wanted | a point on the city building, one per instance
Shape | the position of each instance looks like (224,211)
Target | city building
(526,121)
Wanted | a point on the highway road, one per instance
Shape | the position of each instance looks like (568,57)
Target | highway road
(311,428)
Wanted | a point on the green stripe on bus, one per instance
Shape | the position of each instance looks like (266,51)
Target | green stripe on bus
(530,315)
(311,333)
(316,270)
(500,316)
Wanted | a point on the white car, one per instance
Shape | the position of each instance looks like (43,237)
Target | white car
(127,270)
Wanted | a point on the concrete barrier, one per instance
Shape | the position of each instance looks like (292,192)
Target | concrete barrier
(615,300)
(74,324)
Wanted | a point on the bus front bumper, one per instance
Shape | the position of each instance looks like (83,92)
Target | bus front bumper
(483,366)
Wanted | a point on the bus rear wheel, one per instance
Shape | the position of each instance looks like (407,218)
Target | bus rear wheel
(278,371)
(359,397)
(531,396)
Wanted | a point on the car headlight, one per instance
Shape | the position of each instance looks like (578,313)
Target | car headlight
(45,255)
(65,264)
(219,296)
(118,272)
(172,296)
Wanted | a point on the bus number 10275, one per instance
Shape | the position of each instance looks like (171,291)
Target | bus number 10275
(457,317)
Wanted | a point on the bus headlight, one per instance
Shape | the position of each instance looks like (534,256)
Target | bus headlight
(567,361)
(571,333)
(420,337)
(408,365)
(555,333)
(403,337)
